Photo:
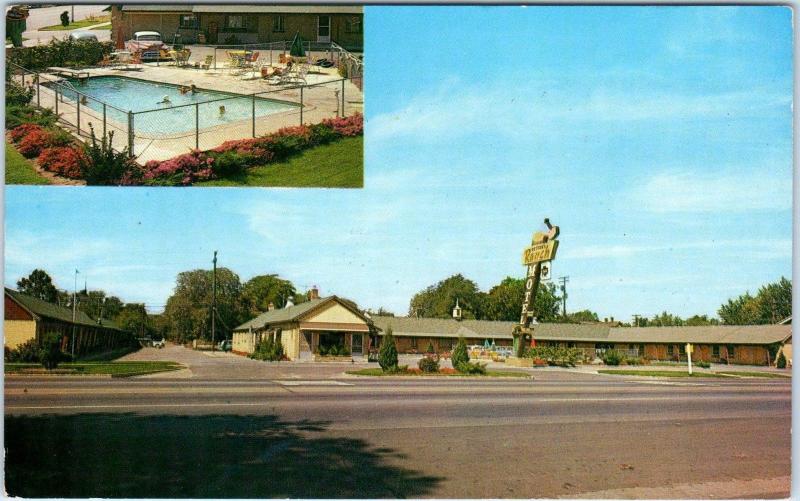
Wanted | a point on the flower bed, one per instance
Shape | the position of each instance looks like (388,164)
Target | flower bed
(55,150)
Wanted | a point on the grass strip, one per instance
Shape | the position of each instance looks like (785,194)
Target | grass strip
(339,164)
(114,369)
(90,21)
(623,372)
(104,27)
(377,371)
(771,375)
(19,170)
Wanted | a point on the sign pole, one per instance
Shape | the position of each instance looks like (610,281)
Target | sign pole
(689,349)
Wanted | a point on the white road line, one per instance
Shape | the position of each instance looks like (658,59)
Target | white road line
(312,383)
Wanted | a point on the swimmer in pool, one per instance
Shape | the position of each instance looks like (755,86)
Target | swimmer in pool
(193,89)
(84,100)
(183,90)
(165,100)
(222,110)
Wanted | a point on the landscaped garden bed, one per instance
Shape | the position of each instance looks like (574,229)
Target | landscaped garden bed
(684,374)
(113,369)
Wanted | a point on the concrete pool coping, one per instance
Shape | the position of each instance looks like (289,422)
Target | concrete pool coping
(319,103)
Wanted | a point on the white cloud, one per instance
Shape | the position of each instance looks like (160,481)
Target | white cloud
(755,249)
(729,192)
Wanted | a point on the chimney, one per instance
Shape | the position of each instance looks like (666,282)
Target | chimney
(313,293)
(271,306)
(612,320)
(289,303)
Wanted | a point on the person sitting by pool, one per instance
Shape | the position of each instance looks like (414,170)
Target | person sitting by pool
(165,100)
(84,100)
(222,110)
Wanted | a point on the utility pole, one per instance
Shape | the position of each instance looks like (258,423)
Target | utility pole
(564,281)
(74,311)
(636,318)
(214,304)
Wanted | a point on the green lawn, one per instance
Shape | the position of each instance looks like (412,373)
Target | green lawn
(377,371)
(336,165)
(78,24)
(104,27)
(657,373)
(772,375)
(19,170)
(115,369)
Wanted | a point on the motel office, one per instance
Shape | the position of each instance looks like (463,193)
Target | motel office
(241,24)
(303,328)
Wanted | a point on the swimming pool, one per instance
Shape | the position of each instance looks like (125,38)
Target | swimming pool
(135,95)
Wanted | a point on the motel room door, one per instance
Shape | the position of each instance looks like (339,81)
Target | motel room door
(324,29)
(358,345)
(305,354)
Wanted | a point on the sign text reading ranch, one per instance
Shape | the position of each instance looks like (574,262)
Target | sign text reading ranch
(540,252)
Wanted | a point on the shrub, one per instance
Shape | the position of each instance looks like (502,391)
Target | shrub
(459,355)
(17,115)
(18,95)
(471,368)
(183,169)
(634,361)
(268,350)
(556,355)
(350,126)
(19,133)
(66,161)
(704,364)
(333,351)
(387,356)
(34,142)
(50,352)
(322,350)
(59,52)
(26,352)
(231,162)
(322,134)
(344,351)
(104,166)
(430,349)
(429,364)
(781,362)
(612,357)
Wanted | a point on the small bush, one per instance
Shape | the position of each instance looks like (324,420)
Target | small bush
(703,364)
(230,163)
(387,356)
(634,361)
(429,364)
(349,126)
(66,161)
(104,166)
(21,114)
(781,362)
(268,350)
(19,132)
(471,368)
(430,349)
(333,351)
(612,357)
(322,134)
(460,355)
(18,95)
(50,352)
(27,352)
(35,142)
(344,351)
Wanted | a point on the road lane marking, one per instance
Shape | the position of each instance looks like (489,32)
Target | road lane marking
(313,383)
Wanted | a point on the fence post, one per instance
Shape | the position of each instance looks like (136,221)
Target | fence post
(130,133)
(23,79)
(197,126)
(78,120)
(215,59)
(38,93)
(343,97)
(254,115)
(301,105)
(56,89)
(104,120)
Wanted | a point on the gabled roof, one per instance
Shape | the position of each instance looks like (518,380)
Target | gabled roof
(589,333)
(40,308)
(246,9)
(297,312)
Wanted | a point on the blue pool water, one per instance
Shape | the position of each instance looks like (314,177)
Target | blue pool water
(138,95)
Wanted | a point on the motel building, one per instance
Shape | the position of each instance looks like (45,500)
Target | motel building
(28,318)
(305,327)
(735,344)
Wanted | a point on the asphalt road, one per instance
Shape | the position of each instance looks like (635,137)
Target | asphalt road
(349,437)
(50,16)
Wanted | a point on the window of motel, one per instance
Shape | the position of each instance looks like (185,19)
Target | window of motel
(277,24)
(715,351)
(188,21)
(731,351)
(641,349)
(682,348)
(413,342)
(670,350)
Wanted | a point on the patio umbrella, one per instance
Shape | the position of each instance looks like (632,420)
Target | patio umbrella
(297,46)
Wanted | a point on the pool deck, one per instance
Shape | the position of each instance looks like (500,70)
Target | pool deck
(319,102)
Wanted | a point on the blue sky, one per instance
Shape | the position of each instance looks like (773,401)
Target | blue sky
(658,138)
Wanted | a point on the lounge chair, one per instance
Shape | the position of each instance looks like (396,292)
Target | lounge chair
(206,65)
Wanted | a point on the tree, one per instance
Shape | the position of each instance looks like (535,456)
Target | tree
(700,320)
(772,304)
(459,357)
(50,352)
(39,285)
(577,317)
(64,19)
(262,290)
(387,356)
(188,310)
(133,318)
(437,301)
(781,363)
(666,320)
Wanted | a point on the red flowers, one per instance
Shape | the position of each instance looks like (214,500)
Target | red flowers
(34,142)
(66,161)
(18,133)
(347,126)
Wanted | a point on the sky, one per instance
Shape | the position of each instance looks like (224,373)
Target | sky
(659,139)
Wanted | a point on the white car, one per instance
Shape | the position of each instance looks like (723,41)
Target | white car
(159,344)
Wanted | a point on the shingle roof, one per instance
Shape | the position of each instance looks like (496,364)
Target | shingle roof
(603,333)
(157,8)
(49,310)
(296,312)
(246,9)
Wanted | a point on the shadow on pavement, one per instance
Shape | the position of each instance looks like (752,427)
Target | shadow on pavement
(127,455)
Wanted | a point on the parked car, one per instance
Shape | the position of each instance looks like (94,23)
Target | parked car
(149,43)
(159,344)
(225,345)
(82,35)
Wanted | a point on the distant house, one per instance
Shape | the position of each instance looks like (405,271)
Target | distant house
(304,328)
(27,318)
(739,344)
(239,24)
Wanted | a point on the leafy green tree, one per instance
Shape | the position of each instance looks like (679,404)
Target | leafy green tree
(459,356)
(262,290)
(772,304)
(666,320)
(437,301)
(700,320)
(582,316)
(387,356)
(781,363)
(188,310)
(39,285)
(133,318)
(64,18)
